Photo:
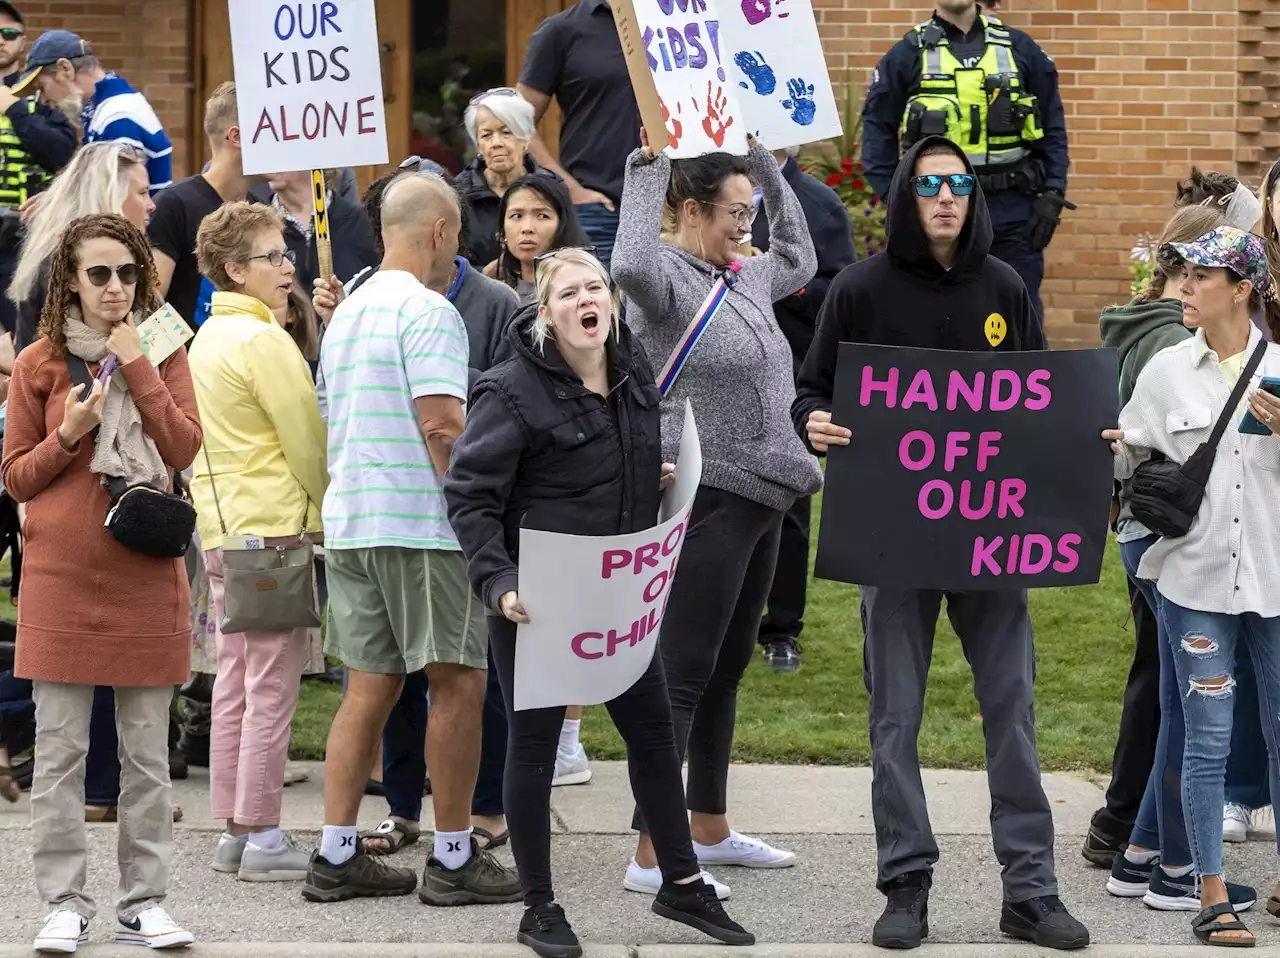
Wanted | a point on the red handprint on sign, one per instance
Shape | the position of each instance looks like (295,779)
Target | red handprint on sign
(715,123)
(675,129)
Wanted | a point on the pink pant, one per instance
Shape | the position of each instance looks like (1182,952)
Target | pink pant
(254,699)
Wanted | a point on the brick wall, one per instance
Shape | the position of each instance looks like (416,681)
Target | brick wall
(150,44)
(1149,87)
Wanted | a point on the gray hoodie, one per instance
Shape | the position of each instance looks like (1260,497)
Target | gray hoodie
(739,376)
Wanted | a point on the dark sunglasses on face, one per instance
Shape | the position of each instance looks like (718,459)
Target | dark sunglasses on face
(9,34)
(930,184)
(277,256)
(101,275)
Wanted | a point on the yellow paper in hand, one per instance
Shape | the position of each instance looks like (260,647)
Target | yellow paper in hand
(163,333)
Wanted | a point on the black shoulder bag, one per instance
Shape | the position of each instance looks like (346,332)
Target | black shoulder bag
(142,518)
(1165,496)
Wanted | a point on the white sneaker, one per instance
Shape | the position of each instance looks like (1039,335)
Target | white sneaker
(1235,823)
(571,768)
(647,881)
(153,928)
(745,851)
(1262,822)
(62,932)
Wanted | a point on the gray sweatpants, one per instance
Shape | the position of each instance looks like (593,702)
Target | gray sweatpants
(995,633)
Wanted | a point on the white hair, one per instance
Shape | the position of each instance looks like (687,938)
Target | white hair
(511,109)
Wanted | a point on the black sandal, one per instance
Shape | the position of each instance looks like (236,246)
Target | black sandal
(491,841)
(1206,929)
(397,835)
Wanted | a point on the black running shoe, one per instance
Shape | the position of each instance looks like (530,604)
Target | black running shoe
(783,655)
(695,904)
(1100,845)
(1044,921)
(905,920)
(545,929)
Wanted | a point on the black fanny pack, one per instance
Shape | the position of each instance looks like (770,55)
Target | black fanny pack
(151,521)
(1165,496)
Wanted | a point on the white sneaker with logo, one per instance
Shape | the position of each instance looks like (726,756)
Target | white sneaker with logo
(62,932)
(647,881)
(745,851)
(572,768)
(1235,823)
(153,928)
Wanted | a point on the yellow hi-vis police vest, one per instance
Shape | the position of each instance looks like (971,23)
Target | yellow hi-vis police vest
(984,109)
(20,175)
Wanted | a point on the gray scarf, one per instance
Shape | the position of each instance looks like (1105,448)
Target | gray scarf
(123,448)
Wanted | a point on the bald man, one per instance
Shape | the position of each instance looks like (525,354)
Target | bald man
(392,385)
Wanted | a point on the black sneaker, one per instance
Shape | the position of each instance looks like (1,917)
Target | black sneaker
(1044,921)
(483,880)
(1102,846)
(360,876)
(783,655)
(1167,893)
(1129,879)
(177,764)
(696,905)
(905,920)
(545,929)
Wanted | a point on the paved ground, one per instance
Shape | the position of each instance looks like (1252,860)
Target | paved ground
(822,908)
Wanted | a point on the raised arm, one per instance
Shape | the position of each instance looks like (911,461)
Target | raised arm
(791,257)
(637,263)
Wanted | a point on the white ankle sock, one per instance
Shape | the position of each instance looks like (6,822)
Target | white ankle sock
(569,735)
(1140,858)
(338,843)
(1179,872)
(453,849)
(267,840)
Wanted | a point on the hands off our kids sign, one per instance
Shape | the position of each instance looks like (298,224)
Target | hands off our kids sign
(308,83)
(709,72)
(596,603)
(969,471)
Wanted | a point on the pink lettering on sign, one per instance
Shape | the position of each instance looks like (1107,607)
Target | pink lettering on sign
(870,385)
(1026,555)
(605,645)
(315,121)
(645,556)
(904,450)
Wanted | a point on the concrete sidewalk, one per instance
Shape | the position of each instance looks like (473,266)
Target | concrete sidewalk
(822,908)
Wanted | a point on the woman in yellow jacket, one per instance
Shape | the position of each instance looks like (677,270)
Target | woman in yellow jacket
(264,442)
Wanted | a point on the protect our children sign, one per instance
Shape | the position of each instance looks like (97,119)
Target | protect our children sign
(309,84)
(596,603)
(709,72)
(969,471)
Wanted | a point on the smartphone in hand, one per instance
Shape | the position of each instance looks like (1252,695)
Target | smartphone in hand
(1249,422)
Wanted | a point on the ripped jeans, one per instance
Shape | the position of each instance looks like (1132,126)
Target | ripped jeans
(1204,659)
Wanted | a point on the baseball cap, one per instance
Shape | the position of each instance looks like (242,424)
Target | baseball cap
(52,46)
(1228,248)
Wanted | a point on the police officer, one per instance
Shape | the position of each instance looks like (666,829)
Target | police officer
(35,142)
(991,89)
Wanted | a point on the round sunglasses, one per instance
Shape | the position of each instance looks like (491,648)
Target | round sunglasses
(930,184)
(129,274)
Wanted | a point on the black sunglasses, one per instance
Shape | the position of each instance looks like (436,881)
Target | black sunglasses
(129,274)
(930,184)
(11,33)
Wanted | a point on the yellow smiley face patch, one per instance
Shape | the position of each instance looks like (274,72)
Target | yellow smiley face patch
(995,327)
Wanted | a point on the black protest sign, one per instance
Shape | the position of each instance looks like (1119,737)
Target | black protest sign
(969,471)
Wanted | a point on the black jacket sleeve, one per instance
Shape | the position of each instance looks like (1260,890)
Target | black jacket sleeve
(46,134)
(1042,82)
(816,382)
(1030,329)
(893,82)
(478,487)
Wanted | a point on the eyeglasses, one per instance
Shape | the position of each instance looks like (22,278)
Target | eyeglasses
(276,257)
(129,274)
(552,254)
(496,91)
(745,215)
(9,34)
(930,184)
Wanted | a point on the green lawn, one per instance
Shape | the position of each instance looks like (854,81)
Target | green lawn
(1084,639)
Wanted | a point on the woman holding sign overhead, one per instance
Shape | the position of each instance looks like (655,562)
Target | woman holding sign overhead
(563,437)
(677,258)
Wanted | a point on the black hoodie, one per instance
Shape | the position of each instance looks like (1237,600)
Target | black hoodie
(904,297)
(541,451)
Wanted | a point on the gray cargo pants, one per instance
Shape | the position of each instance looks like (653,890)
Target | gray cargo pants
(995,633)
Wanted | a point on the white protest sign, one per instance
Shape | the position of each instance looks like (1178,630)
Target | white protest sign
(309,84)
(712,71)
(595,603)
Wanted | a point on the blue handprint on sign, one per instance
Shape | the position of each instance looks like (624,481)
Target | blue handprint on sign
(758,72)
(801,102)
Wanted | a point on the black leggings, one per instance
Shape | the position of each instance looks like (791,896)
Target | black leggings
(709,632)
(642,715)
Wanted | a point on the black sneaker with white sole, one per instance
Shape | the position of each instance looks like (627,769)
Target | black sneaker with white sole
(695,904)
(783,655)
(1169,893)
(1129,879)
(545,929)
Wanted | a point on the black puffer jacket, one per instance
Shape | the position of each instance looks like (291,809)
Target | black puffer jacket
(481,243)
(542,451)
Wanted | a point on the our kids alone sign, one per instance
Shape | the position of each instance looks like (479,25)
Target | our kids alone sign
(969,471)
(309,84)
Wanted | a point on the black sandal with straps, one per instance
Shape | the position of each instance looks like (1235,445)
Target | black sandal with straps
(1207,930)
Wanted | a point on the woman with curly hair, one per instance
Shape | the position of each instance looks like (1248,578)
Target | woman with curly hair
(92,611)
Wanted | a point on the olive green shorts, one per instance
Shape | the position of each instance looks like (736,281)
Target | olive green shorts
(394,611)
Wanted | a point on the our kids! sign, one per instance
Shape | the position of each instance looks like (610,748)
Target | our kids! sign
(309,84)
(708,72)
(969,471)
(595,603)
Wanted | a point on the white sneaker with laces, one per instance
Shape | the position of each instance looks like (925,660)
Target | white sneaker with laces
(1235,823)
(745,851)
(62,932)
(647,881)
(571,768)
(1262,822)
(154,928)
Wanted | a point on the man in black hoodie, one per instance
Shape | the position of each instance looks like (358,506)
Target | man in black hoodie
(935,289)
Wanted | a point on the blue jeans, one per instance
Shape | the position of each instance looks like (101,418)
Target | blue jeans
(601,226)
(1247,765)
(1205,646)
(1160,824)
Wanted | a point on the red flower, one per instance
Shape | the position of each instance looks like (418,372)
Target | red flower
(846,165)
(835,179)
(859,184)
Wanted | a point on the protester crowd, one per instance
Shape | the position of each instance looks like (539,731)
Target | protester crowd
(513,348)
